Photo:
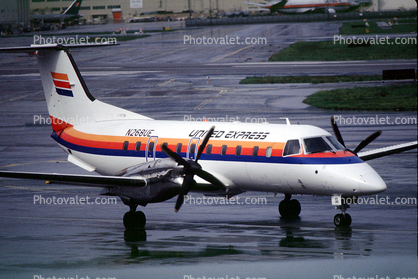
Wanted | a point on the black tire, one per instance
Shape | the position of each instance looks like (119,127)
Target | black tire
(140,219)
(347,220)
(339,220)
(294,208)
(134,220)
(289,209)
(342,220)
(284,209)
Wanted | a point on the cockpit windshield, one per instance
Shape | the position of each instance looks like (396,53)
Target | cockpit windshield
(316,145)
(337,145)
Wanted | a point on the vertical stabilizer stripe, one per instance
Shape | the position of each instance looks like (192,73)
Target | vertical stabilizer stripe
(59,76)
(64,92)
(62,84)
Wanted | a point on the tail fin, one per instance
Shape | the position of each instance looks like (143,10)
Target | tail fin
(68,98)
(73,8)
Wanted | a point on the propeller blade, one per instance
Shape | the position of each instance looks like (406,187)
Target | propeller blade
(173,155)
(205,141)
(185,188)
(337,131)
(366,141)
(210,178)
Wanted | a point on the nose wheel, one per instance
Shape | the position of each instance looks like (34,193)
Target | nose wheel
(342,220)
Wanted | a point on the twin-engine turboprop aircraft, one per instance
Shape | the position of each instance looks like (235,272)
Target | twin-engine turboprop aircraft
(143,161)
(308,6)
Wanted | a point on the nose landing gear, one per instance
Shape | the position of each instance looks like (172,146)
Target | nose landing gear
(342,220)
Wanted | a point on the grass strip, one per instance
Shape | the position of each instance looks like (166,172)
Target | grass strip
(384,98)
(358,28)
(330,51)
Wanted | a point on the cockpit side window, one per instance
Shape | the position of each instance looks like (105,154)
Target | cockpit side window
(316,145)
(292,147)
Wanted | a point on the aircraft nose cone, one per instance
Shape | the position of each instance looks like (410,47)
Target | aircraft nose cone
(371,183)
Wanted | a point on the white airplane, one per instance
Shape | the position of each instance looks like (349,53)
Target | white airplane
(305,6)
(69,14)
(143,161)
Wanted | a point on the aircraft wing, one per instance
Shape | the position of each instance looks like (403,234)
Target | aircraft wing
(385,151)
(84,180)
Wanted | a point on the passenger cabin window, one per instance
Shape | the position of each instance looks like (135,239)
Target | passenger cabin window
(209,149)
(316,145)
(165,144)
(255,151)
(238,150)
(269,150)
(192,148)
(125,145)
(223,149)
(151,146)
(178,147)
(138,146)
(292,147)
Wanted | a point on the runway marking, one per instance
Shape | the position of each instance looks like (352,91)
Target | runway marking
(229,54)
(166,82)
(202,104)
(89,73)
(30,163)
(17,98)
(159,55)
(315,63)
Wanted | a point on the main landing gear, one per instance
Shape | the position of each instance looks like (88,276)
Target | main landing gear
(342,220)
(288,208)
(134,219)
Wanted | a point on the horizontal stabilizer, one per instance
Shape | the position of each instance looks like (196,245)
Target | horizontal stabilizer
(83,180)
(385,151)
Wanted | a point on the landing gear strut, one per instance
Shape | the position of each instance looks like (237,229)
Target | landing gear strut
(288,208)
(134,219)
(342,220)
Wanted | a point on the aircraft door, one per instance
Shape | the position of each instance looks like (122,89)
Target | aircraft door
(192,148)
(150,150)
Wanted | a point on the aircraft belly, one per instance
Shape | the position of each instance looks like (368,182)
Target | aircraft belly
(108,165)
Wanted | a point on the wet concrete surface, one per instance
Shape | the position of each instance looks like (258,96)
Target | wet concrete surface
(201,240)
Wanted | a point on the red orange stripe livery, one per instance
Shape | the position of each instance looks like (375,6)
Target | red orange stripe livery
(62,84)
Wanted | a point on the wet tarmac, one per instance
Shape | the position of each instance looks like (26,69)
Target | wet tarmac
(201,240)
